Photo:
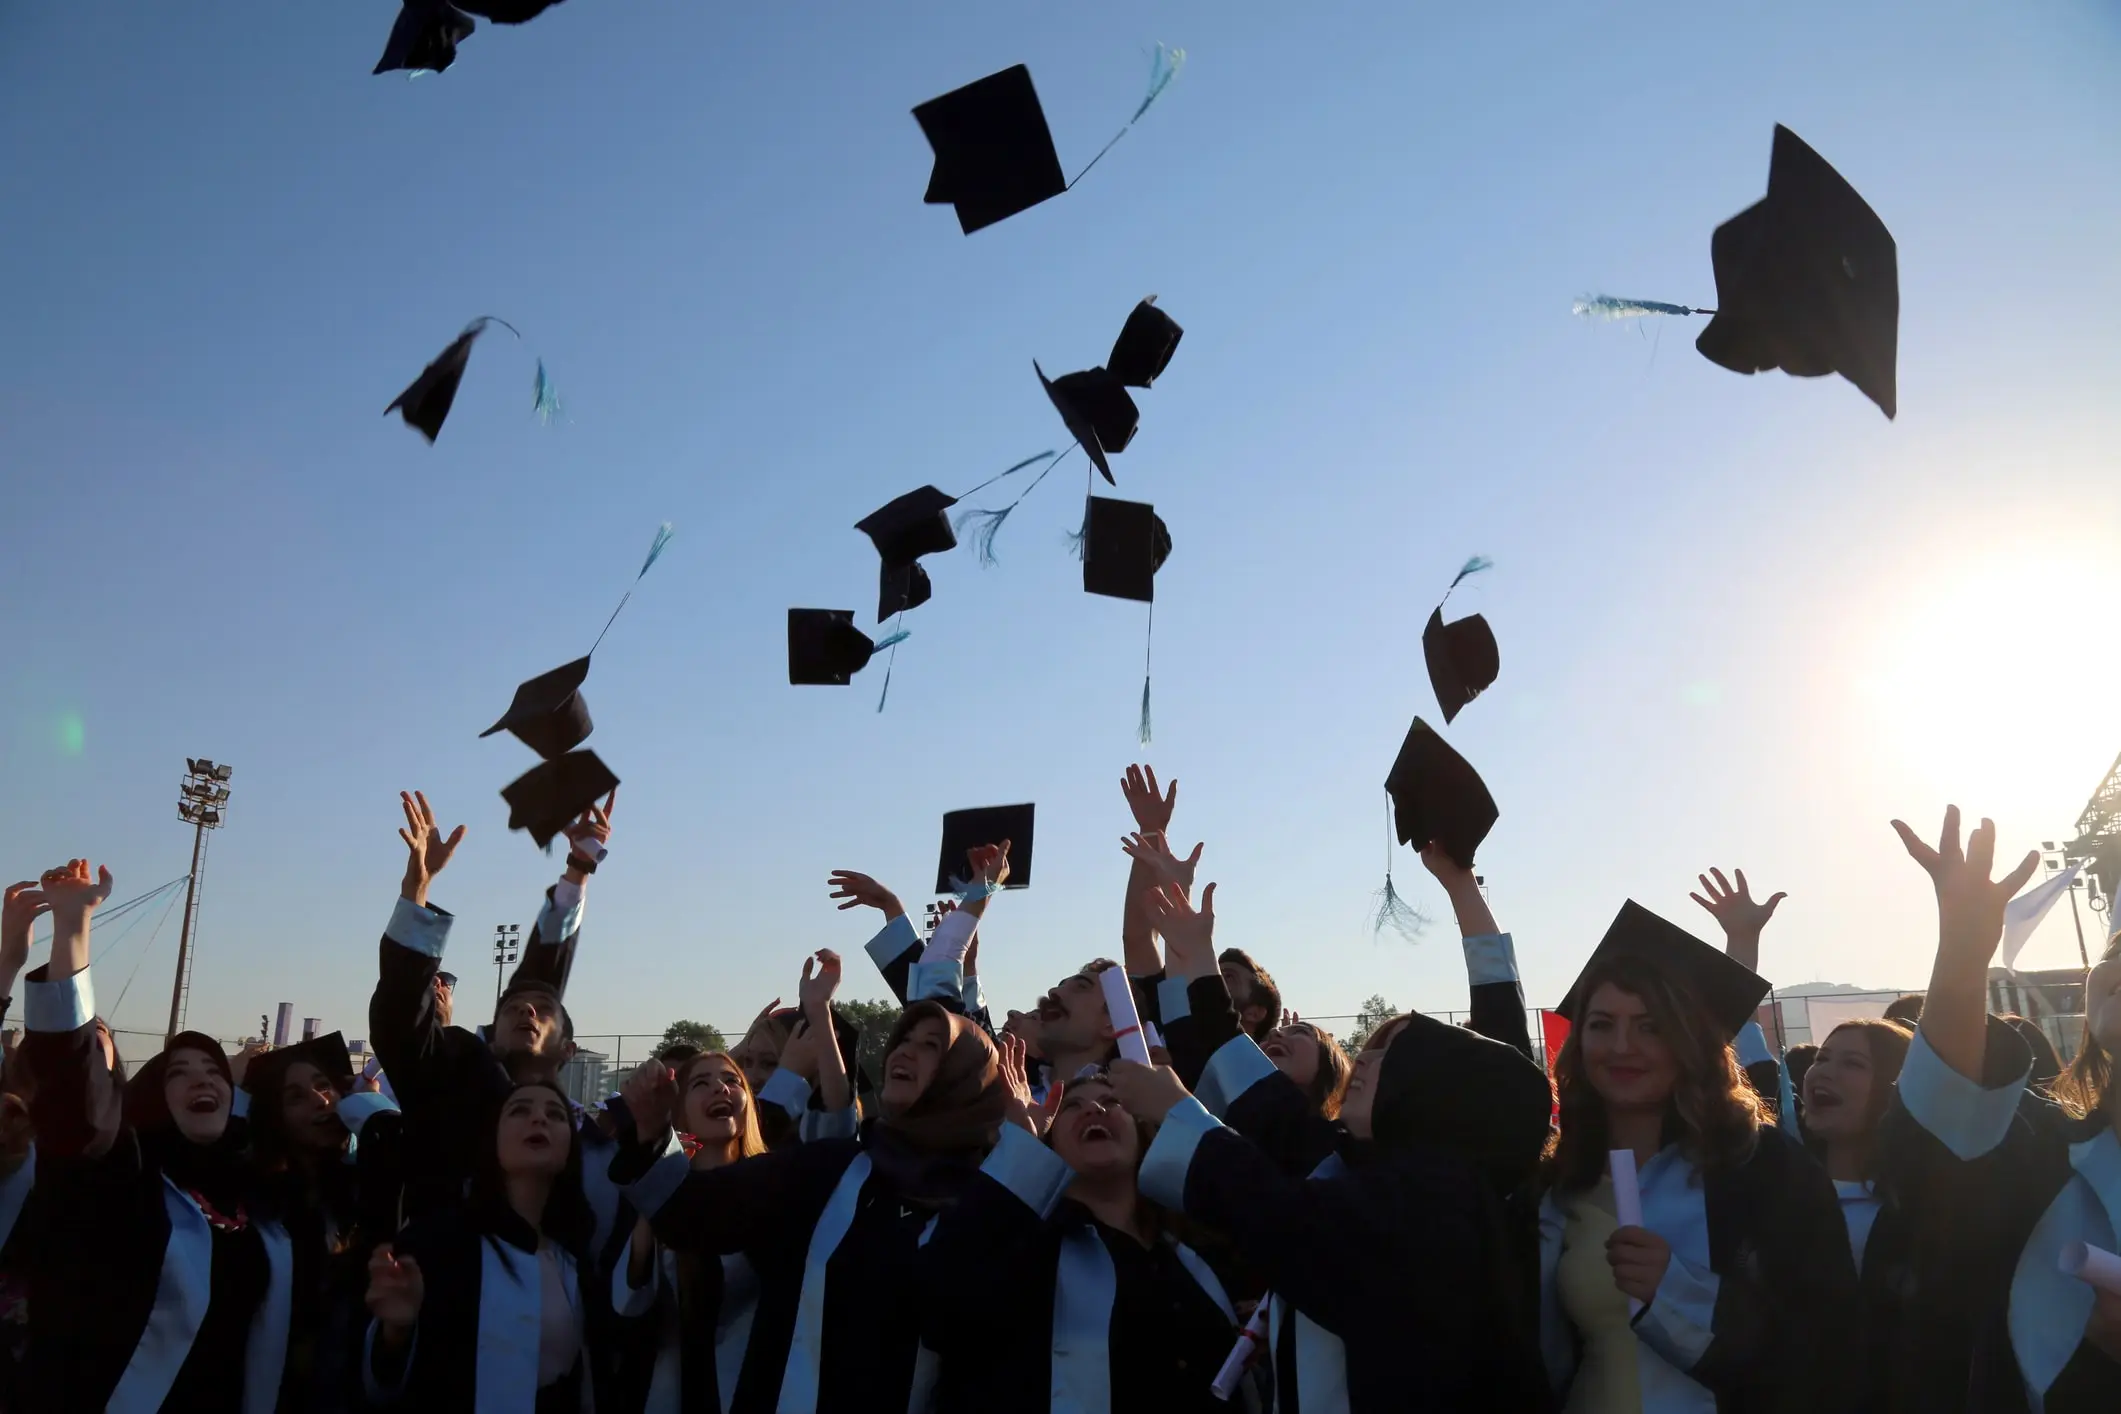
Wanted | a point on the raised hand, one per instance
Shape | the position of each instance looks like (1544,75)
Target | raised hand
(1017,1086)
(1153,852)
(592,824)
(650,1094)
(990,864)
(427,852)
(1969,903)
(1189,934)
(1148,1092)
(861,891)
(71,894)
(239,1063)
(395,1288)
(821,978)
(24,902)
(1152,812)
(1741,919)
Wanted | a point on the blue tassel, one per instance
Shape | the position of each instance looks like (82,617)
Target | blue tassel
(1079,540)
(1162,69)
(546,399)
(894,640)
(986,525)
(1612,307)
(1143,732)
(662,537)
(1472,567)
(1397,914)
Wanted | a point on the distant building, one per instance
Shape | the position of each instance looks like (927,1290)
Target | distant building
(583,1078)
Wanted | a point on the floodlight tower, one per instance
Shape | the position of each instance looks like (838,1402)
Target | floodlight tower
(2098,841)
(202,804)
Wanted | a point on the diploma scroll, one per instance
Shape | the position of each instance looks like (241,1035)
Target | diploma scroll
(2094,1266)
(1126,1021)
(1248,1340)
(1627,1198)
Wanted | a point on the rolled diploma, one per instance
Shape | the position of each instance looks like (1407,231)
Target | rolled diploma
(1627,1198)
(2094,1266)
(1150,1033)
(1248,1340)
(373,1068)
(1126,1021)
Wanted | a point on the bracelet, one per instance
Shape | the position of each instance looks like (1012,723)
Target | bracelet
(577,864)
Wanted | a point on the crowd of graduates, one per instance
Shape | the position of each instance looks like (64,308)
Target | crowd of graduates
(1019,1217)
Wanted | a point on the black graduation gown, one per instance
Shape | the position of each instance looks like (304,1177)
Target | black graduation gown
(1963,1226)
(867,1349)
(103,1208)
(472,1330)
(1164,1336)
(446,1078)
(1786,1332)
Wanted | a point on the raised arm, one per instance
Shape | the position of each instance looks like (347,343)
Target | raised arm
(24,901)
(402,1023)
(549,956)
(897,945)
(1969,926)
(1491,957)
(1743,921)
(821,978)
(77,1107)
(1152,812)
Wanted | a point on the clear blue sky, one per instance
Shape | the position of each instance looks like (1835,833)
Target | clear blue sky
(1743,621)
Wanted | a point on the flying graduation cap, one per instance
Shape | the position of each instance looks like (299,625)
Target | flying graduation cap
(1807,281)
(1094,404)
(994,154)
(967,830)
(550,716)
(1432,793)
(1462,657)
(426,403)
(825,649)
(427,32)
(1124,544)
(903,530)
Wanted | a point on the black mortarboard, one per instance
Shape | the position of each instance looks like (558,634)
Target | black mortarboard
(911,526)
(1124,544)
(425,36)
(994,153)
(548,797)
(901,588)
(1463,660)
(966,830)
(1098,411)
(509,12)
(1437,795)
(1807,280)
(548,714)
(825,649)
(425,405)
(327,1053)
(1145,345)
(1729,989)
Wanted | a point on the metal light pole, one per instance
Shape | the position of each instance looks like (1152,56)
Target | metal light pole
(506,937)
(2056,859)
(202,804)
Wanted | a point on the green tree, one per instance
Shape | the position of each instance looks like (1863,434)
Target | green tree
(1374,1013)
(876,1020)
(692,1033)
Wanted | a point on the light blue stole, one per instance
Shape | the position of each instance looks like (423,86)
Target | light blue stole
(2047,1309)
(1084,1290)
(182,1294)
(511,1327)
(1321,1357)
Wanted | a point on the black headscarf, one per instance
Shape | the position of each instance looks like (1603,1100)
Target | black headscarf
(1448,1088)
(216,1171)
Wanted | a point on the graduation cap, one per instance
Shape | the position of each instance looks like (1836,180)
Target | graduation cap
(1462,657)
(994,154)
(1144,346)
(825,649)
(425,404)
(1097,410)
(425,37)
(1437,795)
(553,794)
(327,1053)
(910,526)
(548,714)
(1727,988)
(966,830)
(905,587)
(1807,281)
(1124,544)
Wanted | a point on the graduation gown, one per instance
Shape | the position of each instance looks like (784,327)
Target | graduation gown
(685,1331)
(1768,1323)
(1104,1326)
(175,1312)
(1994,1181)
(833,1246)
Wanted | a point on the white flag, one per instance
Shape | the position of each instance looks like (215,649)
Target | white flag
(2023,913)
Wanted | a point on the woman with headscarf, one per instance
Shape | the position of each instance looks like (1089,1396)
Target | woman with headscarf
(694,1310)
(1735,1292)
(1110,1311)
(2002,1187)
(492,1305)
(163,1286)
(303,1114)
(832,1227)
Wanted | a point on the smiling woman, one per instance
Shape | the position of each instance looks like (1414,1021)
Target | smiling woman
(1997,677)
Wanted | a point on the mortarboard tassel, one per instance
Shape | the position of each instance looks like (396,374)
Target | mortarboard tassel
(892,642)
(663,536)
(1143,731)
(1027,461)
(1163,68)
(1472,567)
(1148,646)
(1393,911)
(988,524)
(1613,307)
(546,399)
